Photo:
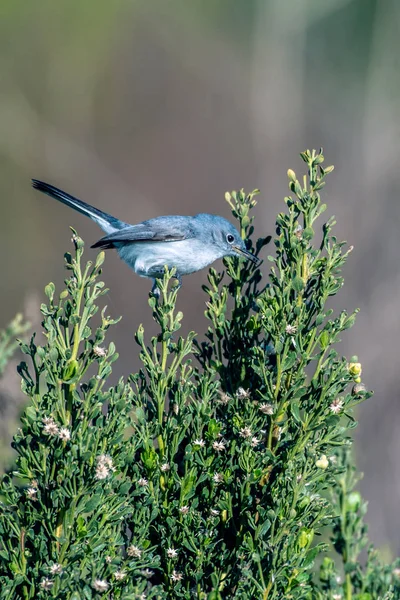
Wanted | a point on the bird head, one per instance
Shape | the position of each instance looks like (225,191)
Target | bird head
(225,237)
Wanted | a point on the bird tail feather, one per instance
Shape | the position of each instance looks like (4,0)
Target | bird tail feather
(107,222)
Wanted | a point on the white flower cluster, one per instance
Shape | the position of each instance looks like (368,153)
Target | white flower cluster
(104,466)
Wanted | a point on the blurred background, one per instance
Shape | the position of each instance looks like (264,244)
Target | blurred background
(158,107)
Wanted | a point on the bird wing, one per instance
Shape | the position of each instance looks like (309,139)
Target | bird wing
(160,229)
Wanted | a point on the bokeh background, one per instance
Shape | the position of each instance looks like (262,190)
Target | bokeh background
(149,107)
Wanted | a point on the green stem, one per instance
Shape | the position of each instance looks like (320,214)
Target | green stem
(348,589)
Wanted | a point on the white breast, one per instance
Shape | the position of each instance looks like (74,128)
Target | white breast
(187,256)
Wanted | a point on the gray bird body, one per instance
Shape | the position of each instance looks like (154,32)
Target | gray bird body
(185,243)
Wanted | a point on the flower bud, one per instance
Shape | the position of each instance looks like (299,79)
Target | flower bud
(355,369)
(358,389)
(322,462)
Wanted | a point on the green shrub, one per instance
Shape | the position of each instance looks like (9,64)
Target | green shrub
(212,471)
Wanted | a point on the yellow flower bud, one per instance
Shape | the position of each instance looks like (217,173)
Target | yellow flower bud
(355,369)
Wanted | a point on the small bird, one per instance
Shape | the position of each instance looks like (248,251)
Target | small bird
(187,244)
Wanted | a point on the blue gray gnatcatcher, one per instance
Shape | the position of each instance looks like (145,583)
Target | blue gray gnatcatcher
(186,243)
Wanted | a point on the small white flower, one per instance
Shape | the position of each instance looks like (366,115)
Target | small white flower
(245,432)
(219,446)
(100,585)
(147,573)
(101,471)
(184,510)
(47,420)
(165,467)
(31,493)
(214,513)
(172,553)
(108,559)
(337,596)
(105,459)
(46,584)
(142,596)
(134,552)
(50,428)
(175,408)
(99,351)
(218,477)
(64,434)
(56,569)
(242,394)
(143,482)
(291,329)
(255,441)
(336,406)
(200,442)
(266,408)
(119,575)
(176,576)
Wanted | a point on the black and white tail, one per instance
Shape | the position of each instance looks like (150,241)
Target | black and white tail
(108,223)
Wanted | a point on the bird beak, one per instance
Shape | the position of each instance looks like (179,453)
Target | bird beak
(248,255)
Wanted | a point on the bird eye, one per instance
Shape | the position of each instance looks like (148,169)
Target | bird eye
(230,238)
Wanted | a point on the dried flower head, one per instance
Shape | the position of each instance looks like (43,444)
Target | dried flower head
(172,553)
(358,388)
(291,329)
(224,398)
(242,394)
(119,575)
(50,427)
(31,493)
(105,459)
(100,585)
(56,569)
(176,576)
(134,552)
(184,510)
(255,441)
(218,477)
(165,467)
(266,408)
(101,471)
(245,432)
(147,573)
(99,351)
(64,434)
(46,583)
(219,446)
